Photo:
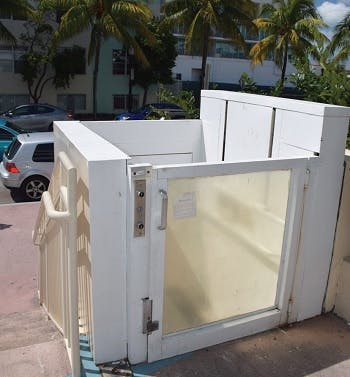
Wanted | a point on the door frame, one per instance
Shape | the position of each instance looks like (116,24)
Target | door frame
(163,346)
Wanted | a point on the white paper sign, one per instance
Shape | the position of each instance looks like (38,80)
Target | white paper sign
(185,205)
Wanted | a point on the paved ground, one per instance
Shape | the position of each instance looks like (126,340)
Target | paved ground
(30,345)
(5,195)
(319,347)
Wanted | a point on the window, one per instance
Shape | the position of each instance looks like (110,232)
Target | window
(120,101)
(180,46)
(225,49)
(24,110)
(43,153)
(72,59)
(5,135)
(10,58)
(72,102)
(8,101)
(13,149)
(44,109)
(120,64)
(5,14)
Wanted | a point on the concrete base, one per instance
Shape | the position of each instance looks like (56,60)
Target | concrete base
(319,347)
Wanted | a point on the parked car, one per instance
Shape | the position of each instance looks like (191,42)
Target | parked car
(174,112)
(27,165)
(7,134)
(36,116)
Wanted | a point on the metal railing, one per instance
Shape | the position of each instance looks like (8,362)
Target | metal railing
(55,233)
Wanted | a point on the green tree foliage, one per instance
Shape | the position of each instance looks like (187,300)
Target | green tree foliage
(121,19)
(201,19)
(160,55)
(185,99)
(15,8)
(43,63)
(290,26)
(341,39)
(330,87)
(248,85)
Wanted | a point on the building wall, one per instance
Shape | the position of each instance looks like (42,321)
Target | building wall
(12,83)
(226,70)
(110,85)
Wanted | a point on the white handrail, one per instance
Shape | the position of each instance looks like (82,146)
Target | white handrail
(47,208)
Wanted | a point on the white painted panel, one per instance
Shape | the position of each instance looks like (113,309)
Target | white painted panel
(162,159)
(213,115)
(144,137)
(286,150)
(102,186)
(298,130)
(319,222)
(248,131)
(137,272)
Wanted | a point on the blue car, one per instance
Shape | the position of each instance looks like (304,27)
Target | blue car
(172,110)
(7,134)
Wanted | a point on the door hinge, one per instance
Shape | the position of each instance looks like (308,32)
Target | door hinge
(148,325)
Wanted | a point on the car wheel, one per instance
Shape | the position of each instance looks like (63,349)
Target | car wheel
(33,187)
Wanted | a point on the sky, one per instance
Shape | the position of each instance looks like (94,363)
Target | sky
(333,11)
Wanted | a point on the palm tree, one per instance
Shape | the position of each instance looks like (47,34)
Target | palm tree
(18,8)
(202,18)
(341,38)
(328,59)
(122,19)
(290,26)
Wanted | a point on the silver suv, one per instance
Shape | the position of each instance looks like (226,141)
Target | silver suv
(27,165)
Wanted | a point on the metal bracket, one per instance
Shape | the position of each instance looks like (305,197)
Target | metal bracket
(148,325)
(139,207)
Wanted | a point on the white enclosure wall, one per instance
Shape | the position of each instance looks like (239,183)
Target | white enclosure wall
(265,131)
(261,127)
(160,142)
(101,205)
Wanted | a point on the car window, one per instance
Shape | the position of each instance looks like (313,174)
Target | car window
(44,109)
(24,110)
(43,153)
(5,135)
(13,149)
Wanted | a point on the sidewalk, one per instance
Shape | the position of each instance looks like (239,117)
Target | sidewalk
(30,344)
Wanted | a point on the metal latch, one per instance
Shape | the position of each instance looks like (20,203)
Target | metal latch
(148,325)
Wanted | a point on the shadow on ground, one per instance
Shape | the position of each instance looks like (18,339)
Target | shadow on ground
(319,347)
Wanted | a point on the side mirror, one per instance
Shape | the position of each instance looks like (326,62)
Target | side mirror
(9,114)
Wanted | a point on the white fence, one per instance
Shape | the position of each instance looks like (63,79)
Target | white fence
(55,234)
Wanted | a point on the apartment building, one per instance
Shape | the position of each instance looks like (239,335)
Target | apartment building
(14,91)
(225,65)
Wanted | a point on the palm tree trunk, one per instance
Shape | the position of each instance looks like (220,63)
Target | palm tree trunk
(95,76)
(204,56)
(284,65)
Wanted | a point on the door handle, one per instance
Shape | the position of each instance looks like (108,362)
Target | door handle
(164,215)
